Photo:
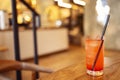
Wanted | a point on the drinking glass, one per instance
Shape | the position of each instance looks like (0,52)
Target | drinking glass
(92,46)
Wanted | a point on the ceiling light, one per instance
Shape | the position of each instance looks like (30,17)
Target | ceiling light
(62,4)
(56,0)
(79,2)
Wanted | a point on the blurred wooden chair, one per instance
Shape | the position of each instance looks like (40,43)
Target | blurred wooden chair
(9,65)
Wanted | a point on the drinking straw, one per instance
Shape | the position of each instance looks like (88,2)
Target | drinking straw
(103,33)
(105,26)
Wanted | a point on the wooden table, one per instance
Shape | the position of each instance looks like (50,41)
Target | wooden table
(78,71)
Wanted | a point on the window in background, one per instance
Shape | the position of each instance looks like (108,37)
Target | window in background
(103,10)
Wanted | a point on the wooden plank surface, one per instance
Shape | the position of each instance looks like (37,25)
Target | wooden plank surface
(9,65)
(77,71)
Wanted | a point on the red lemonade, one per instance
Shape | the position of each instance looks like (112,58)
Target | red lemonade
(92,47)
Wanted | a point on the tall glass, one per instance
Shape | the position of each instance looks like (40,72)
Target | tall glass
(92,46)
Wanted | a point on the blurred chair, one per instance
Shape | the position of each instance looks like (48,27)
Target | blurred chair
(9,65)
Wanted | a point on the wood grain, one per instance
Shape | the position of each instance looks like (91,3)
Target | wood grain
(10,65)
(78,71)
(7,65)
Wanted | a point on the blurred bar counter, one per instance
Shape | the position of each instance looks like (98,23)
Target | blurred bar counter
(50,40)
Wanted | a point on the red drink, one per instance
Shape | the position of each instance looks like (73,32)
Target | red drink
(92,47)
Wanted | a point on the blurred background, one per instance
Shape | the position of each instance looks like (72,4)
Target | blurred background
(64,25)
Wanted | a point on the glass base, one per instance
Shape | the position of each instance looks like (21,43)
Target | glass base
(95,73)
